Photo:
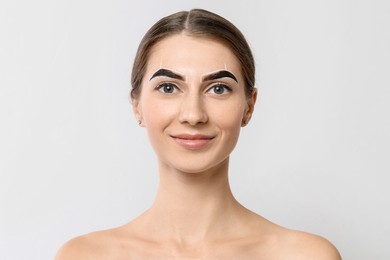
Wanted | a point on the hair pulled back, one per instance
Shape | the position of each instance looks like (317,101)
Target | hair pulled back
(197,23)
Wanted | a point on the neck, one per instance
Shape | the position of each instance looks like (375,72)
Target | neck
(193,207)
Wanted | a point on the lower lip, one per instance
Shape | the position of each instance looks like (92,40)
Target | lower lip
(192,144)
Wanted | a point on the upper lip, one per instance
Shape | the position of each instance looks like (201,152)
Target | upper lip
(193,136)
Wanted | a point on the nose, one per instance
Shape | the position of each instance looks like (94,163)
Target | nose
(192,110)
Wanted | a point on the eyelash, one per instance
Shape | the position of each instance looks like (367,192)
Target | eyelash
(161,86)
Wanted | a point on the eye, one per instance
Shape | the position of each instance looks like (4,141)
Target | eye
(167,88)
(219,89)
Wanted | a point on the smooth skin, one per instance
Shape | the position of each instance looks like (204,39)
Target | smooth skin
(193,122)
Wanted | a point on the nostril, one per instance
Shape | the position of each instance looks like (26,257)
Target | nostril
(193,112)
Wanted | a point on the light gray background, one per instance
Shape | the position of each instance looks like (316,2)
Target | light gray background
(314,157)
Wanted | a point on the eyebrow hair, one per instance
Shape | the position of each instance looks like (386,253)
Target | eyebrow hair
(220,74)
(166,73)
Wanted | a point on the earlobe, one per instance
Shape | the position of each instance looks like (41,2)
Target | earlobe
(137,111)
(245,121)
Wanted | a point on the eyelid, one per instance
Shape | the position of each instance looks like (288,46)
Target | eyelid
(220,83)
(159,84)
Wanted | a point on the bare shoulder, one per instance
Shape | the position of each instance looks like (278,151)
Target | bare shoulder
(77,248)
(271,241)
(301,245)
(89,246)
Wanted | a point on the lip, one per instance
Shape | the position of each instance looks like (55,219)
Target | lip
(192,141)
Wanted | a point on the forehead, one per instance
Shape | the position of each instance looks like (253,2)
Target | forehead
(187,54)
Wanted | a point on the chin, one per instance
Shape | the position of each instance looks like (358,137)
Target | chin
(196,167)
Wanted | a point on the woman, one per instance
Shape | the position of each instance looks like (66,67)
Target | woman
(193,89)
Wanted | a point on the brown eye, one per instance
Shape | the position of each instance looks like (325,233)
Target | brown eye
(167,88)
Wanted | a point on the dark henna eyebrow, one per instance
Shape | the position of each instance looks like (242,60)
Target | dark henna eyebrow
(166,73)
(220,74)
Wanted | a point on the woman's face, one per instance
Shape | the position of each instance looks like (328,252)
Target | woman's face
(192,102)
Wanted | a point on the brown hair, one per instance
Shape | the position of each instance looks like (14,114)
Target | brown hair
(200,23)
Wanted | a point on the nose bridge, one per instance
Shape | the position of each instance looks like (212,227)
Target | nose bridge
(193,108)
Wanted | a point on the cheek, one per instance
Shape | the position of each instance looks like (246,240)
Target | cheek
(157,117)
(229,118)
(230,113)
(154,111)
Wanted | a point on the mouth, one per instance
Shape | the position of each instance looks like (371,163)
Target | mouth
(192,142)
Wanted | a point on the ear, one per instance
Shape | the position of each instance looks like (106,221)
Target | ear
(136,105)
(251,101)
